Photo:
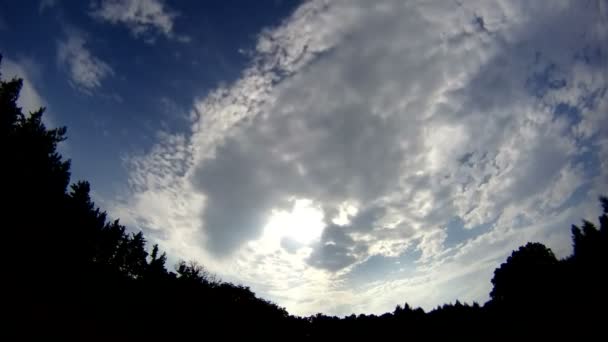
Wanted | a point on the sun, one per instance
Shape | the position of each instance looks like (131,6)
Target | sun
(304,223)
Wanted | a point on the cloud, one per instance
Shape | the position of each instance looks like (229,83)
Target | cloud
(86,72)
(337,250)
(394,119)
(46,4)
(144,18)
(29,99)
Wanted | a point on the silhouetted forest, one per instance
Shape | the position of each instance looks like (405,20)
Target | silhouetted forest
(74,274)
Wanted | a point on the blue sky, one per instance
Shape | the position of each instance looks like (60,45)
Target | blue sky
(144,87)
(336,156)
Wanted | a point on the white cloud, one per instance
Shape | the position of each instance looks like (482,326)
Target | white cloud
(29,98)
(144,18)
(411,113)
(86,71)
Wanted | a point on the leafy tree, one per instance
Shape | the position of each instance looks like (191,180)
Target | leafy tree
(526,275)
(193,273)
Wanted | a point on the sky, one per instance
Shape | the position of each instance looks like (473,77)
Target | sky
(335,156)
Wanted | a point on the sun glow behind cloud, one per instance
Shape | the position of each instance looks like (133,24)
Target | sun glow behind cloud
(303,223)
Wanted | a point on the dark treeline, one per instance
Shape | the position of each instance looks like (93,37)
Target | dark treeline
(72,273)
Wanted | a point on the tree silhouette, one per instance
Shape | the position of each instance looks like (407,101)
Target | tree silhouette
(156,267)
(192,272)
(526,275)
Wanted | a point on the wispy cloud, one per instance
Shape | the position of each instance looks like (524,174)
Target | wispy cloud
(86,72)
(31,96)
(391,119)
(46,4)
(144,18)
(30,99)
